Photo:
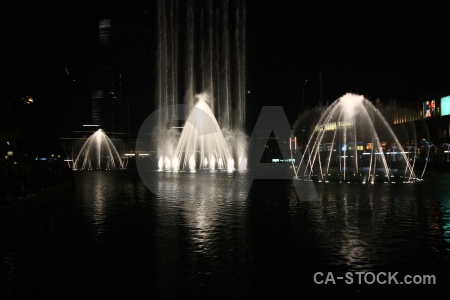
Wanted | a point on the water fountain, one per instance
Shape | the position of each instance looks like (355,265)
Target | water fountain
(352,141)
(98,152)
(212,51)
(201,143)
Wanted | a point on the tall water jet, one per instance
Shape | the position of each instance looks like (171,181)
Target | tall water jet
(208,42)
(98,152)
(212,163)
(352,141)
(160,164)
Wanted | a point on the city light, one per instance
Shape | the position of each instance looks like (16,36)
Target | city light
(28,99)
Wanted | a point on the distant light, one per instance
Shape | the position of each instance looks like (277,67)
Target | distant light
(91,125)
(10,153)
(28,99)
(8,143)
(396,152)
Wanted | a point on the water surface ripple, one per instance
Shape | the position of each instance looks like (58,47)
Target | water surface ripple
(195,236)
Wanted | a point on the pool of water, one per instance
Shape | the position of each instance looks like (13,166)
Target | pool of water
(202,235)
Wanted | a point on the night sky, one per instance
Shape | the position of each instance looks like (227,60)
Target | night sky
(391,51)
(396,51)
(44,53)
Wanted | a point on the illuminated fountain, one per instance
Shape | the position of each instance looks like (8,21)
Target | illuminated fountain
(213,49)
(201,144)
(98,152)
(352,141)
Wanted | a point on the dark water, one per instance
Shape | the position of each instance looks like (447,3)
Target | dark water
(113,238)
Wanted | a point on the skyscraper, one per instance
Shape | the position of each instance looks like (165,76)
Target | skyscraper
(122,66)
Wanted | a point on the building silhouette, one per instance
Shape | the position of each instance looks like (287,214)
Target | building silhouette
(426,121)
(122,67)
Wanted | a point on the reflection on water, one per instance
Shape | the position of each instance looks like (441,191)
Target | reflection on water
(445,208)
(196,235)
